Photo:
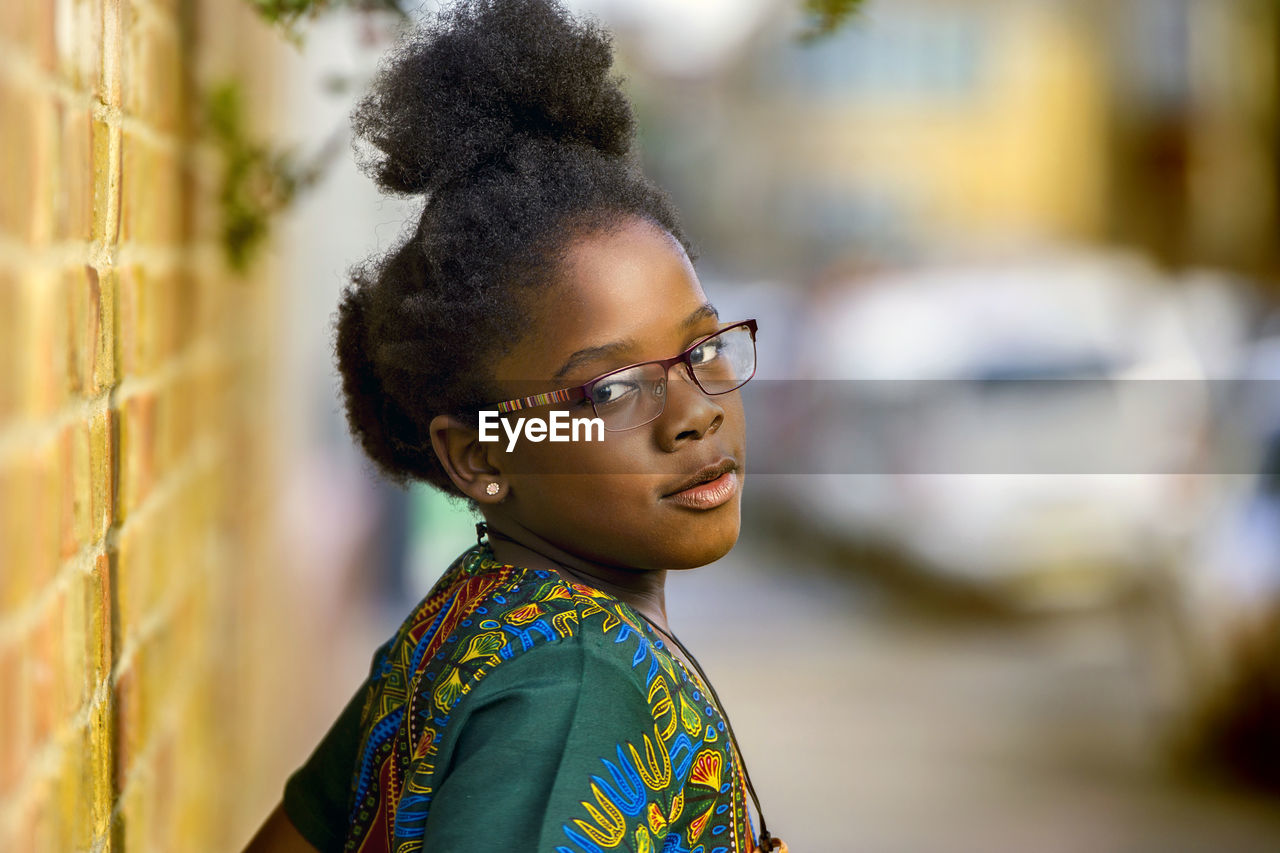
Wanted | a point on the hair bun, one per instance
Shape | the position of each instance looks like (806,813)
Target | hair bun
(464,92)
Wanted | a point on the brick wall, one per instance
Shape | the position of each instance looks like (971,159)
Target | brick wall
(136,614)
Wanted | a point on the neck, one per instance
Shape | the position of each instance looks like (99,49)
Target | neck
(643,589)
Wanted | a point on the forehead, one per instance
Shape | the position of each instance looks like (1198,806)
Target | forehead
(630,284)
(624,277)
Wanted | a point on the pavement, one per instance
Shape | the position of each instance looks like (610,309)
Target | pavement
(874,728)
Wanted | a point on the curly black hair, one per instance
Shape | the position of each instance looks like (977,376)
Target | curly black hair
(504,115)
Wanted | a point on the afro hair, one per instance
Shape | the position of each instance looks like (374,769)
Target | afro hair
(504,117)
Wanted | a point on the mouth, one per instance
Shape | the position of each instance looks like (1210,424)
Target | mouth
(708,488)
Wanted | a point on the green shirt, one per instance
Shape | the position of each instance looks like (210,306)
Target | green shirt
(515,711)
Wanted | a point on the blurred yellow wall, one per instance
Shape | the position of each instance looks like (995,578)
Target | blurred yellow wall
(139,623)
(926,125)
(1022,148)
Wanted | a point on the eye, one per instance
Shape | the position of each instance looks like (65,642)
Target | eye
(707,351)
(613,390)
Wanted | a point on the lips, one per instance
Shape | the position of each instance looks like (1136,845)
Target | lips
(703,475)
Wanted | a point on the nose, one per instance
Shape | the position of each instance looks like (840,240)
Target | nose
(689,414)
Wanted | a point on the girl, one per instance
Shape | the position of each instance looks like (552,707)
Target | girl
(536,698)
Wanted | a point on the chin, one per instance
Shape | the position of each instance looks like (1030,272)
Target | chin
(705,543)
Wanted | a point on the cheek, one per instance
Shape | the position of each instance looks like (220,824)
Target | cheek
(582,484)
(735,420)
(620,520)
(597,499)
(618,453)
(578,501)
(601,500)
(604,517)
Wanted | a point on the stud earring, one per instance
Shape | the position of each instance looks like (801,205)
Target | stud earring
(492,489)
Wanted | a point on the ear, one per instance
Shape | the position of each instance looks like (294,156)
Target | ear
(470,463)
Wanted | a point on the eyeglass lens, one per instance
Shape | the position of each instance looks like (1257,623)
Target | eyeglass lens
(637,395)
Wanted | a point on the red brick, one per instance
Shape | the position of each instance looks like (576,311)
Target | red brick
(42,37)
(81,29)
(72,661)
(137,167)
(135,818)
(152,55)
(160,675)
(72,806)
(186,309)
(168,786)
(23,493)
(74,219)
(14,742)
(13,24)
(178,421)
(137,449)
(151,205)
(15,582)
(13,313)
(160,458)
(17,156)
(43,511)
(159,309)
(208,303)
(97,760)
(79,494)
(98,637)
(47,332)
(43,165)
(142,328)
(189,623)
(101,471)
(81,317)
(128,320)
(106,183)
(215,385)
(102,290)
(113,29)
(44,671)
(130,726)
(135,561)
(32,829)
(68,538)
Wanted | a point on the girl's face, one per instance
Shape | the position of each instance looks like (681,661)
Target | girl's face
(626,296)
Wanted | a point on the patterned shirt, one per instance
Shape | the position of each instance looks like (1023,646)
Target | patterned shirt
(514,710)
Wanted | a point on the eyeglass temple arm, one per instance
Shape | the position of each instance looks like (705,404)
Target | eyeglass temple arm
(564,395)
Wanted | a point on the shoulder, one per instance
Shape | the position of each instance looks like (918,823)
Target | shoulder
(504,675)
(483,616)
(547,631)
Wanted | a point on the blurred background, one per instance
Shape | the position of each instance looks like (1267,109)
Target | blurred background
(1010,570)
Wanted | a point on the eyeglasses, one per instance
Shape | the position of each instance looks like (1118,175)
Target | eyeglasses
(635,395)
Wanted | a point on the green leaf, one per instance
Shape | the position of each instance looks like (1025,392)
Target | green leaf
(826,16)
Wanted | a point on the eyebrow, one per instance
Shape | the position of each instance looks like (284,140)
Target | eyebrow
(589,354)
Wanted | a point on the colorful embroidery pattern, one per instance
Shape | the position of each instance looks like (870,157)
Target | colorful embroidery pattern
(673,787)
(669,792)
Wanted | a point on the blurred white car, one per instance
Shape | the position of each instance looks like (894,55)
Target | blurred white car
(1035,428)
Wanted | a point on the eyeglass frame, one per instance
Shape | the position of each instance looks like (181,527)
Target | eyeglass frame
(583,391)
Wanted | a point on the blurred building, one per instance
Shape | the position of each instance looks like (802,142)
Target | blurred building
(1194,156)
(925,124)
